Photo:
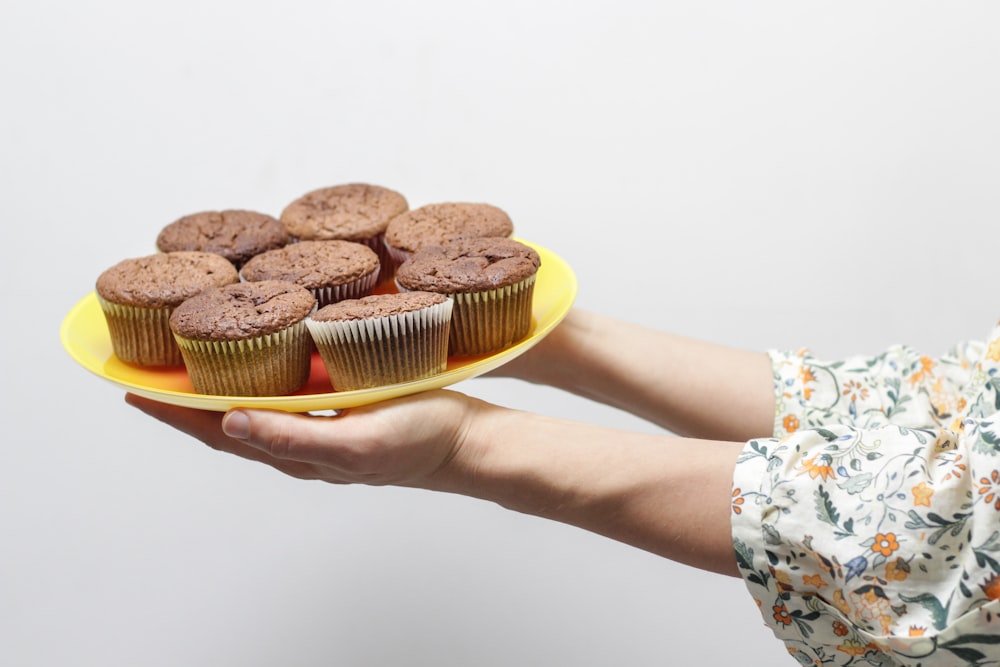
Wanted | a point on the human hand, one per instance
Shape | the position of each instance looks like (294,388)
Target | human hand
(667,495)
(405,441)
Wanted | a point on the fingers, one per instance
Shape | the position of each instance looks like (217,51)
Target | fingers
(398,441)
(403,441)
(206,425)
(346,450)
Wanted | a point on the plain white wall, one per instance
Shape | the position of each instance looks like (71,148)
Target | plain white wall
(771,174)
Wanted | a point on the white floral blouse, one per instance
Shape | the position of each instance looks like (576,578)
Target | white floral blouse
(868,528)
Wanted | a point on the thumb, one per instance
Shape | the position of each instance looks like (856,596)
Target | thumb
(283,435)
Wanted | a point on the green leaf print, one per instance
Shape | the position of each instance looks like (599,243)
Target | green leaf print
(827,513)
(939,613)
(829,436)
(744,555)
(969,655)
(992,543)
(943,526)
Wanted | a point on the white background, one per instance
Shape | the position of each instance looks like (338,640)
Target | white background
(770,174)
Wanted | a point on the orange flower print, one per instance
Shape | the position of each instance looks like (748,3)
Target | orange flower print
(993,351)
(957,468)
(807,376)
(917,631)
(791,423)
(782,580)
(781,614)
(897,570)
(855,390)
(873,605)
(885,543)
(841,602)
(922,494)
(853,647)
(945,441)
(819,466)
(991,587)
(945,402)
(926,370)
(989,489)
(814,581)
(738,501)
(840,629)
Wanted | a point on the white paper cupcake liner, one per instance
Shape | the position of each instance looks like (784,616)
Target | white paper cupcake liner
(140,335)
(271,365)
(387,350)
(355,289)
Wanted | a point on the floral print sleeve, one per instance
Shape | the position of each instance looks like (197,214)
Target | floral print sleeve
(868,528)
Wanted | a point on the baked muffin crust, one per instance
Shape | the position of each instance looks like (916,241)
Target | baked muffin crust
(469,265)
(242,310)
(352,212)
(164,280)
(313,264)
(235,234)
(377,305)
(436,223)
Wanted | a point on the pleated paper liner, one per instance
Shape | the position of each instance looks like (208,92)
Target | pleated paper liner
(488,321)
(141,335)
(269,365)
(378,351)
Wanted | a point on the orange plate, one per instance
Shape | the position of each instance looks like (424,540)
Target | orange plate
(84,334)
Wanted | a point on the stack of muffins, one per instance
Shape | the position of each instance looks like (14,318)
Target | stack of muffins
(383,293)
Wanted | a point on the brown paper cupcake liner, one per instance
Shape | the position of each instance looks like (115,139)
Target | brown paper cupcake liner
(359,354)
(272,365)
(141,335)
(489,321)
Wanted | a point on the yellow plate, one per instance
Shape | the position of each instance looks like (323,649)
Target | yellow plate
(84,334)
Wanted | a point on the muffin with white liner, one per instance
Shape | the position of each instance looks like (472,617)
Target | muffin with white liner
(382,339)
(332,270)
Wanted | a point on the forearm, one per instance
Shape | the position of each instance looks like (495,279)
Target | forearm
(667,495)
(690,387)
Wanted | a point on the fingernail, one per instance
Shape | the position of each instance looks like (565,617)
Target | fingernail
(236,425)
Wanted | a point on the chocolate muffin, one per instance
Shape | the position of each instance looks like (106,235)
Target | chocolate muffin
(382,339)
(356,212)
(333,270)
(434,224)
(246,339)
(491,281)
(237,235)
(138,295)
